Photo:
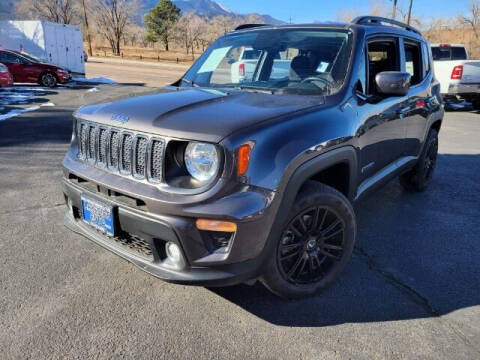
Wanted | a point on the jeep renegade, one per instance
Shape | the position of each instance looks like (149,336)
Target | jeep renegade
(215,183)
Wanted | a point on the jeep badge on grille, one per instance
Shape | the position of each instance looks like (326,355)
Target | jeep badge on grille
(120,118)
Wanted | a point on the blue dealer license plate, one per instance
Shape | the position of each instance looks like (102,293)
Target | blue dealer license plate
(98,215)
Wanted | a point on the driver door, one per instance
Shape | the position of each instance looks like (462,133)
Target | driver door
(383,125)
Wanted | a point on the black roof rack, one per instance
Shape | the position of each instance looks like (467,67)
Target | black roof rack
(248,26)
(372,20)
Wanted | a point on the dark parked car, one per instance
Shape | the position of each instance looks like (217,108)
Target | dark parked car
(6,78)
(215,183)
(28,69)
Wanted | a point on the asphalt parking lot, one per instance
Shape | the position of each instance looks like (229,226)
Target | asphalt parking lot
(411,291)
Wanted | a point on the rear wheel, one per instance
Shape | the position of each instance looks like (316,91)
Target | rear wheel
(420,176)
(48,79)
(316,243)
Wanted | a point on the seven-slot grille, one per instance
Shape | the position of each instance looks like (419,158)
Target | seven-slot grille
(121,151)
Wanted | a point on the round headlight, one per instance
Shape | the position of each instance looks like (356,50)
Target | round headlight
(201,160)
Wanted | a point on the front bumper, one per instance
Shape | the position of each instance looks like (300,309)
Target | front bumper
(200,264)
(64,77)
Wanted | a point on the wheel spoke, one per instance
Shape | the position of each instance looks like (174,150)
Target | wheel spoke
(310,264)
(295,231)
(332,247)
(291,246)
(288,256)
(333,234)
(302,224)
(330,227)
(330,255)
(295,266)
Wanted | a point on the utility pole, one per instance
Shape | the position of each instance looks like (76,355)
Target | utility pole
(89,39)
(409,12)
(394,12)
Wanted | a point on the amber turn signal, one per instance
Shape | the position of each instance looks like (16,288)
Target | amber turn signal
(243,159)
(216,225)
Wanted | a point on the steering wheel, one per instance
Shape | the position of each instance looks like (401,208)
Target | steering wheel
(314,78)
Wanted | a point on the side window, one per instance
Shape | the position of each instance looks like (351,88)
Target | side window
(7,58)
(413,61)
(382,56)
(426,58)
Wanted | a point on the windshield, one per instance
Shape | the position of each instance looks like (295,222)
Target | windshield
(30,57)
(296,61)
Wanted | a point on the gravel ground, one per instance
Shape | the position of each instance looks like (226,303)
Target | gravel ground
(411,291)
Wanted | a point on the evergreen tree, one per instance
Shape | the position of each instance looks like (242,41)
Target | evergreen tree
(160,22)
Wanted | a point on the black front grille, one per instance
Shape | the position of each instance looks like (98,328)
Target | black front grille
(137,155)
(91,143)
(157,160)
(135,244)
(113,154)
(126,163)
(102,146)
(140,156)
(83,140)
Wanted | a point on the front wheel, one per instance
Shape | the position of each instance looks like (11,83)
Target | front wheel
(48,80)
(316,243)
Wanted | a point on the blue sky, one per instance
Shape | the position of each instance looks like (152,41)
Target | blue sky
(310,10)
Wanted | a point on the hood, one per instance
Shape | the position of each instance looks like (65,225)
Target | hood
(195,113)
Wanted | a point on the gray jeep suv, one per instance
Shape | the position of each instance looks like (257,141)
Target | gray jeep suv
(220,179)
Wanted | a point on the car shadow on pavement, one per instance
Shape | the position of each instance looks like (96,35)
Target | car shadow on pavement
(43,125)
(416,256)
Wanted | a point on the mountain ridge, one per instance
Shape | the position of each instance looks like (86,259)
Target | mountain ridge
(208,8)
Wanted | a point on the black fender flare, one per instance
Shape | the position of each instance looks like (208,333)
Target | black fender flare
(288,193)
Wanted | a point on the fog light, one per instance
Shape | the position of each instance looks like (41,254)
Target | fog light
(173,252)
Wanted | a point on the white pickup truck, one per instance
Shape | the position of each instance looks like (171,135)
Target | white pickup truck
(243,69)
(459,77)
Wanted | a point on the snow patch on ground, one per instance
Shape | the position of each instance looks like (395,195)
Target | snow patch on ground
(16,112)
(97,80)
(93,90)
(48,104)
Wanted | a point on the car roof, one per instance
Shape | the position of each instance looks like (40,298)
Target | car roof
(368,24)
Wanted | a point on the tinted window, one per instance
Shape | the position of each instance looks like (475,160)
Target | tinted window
(8,58)
(449,53)
(382,56)
(426,58)
(459,53)
(413,62)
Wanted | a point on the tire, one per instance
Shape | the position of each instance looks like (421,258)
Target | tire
(418,179)
(476,104)
(48,79)
(307,248)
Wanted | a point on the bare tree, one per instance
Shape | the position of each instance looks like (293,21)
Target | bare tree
(58,11)
(87,28)
(473,19)
(112,17)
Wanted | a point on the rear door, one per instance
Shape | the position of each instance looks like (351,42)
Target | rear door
(417,62)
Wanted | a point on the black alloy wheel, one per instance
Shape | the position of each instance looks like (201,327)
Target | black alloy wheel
(311,245)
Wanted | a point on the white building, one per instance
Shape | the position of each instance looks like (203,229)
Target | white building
(54,43)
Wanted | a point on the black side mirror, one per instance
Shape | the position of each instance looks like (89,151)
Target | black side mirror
(393,83)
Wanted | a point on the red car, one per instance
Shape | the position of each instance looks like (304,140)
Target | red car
(27,69)
(6,78)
